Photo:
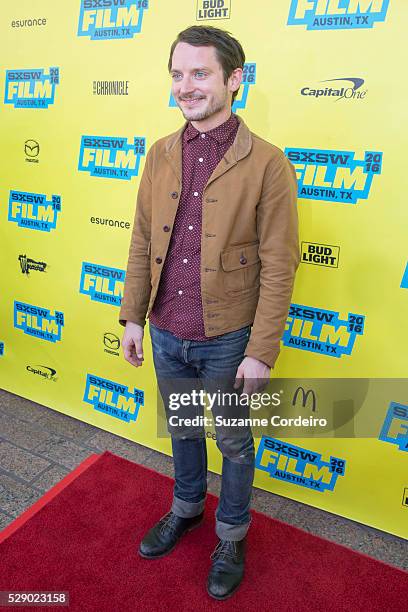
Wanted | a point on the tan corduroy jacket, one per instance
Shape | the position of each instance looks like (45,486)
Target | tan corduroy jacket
(249,242)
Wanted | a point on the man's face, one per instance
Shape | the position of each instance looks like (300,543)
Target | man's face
(198,83)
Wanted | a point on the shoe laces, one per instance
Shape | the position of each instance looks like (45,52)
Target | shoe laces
(224,549)
(168,523)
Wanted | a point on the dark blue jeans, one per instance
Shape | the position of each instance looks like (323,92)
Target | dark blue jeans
(206,364)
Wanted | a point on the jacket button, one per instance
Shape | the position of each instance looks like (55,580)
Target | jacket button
(158,260)
(166,228)
(174,194)
(242,260)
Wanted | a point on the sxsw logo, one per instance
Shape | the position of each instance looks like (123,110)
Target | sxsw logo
(38,321)
(102,284)
(33,88)
(297,465)
(248,79)
(404,282)
(334,175)
(1,349)
(341,91)
(321,331)
(395,426)
(111,156)
(110,19)
(113,398)
(33,210)
(337,14)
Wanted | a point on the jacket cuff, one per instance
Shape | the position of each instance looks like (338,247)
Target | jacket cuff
(267,354)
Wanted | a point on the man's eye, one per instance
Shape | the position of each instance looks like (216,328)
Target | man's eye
(200,72)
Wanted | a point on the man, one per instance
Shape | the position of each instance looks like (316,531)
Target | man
(214,251)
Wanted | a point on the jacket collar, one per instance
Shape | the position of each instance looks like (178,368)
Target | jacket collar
(240,148)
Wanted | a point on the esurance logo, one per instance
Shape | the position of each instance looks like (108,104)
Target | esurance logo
(33,210)
(321,331)
(395,427)
(113,398)
(38,321)
(334,176)
(33,88)
(102,284)
(110,19)
(337,14)
(348,92)
(248,79)
(297,465)
(111,156)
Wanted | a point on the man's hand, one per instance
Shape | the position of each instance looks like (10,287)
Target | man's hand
(254,373)
(132,343)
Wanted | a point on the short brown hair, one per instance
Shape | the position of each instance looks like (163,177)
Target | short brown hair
(228,50)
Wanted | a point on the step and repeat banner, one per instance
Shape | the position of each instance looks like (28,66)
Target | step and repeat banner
(86,92)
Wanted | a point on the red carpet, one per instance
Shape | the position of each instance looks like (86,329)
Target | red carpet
(82,537)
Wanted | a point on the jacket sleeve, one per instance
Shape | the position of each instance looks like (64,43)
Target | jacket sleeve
(136,294)
(277,227)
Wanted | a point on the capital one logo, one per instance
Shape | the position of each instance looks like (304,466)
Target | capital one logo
(337,14)
(111,19)
(248,79)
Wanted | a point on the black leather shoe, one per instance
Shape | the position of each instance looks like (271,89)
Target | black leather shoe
(163,537)
(227,569)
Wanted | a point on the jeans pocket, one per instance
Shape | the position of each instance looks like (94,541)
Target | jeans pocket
(238,334)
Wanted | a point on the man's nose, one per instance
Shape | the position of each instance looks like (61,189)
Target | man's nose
(186,86)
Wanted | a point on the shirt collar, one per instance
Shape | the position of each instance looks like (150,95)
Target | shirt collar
(221,133)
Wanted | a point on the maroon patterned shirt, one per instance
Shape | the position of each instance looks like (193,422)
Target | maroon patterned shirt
(177,307)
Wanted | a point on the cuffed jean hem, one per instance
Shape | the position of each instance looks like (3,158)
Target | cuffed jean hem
(234,533)
(186,509)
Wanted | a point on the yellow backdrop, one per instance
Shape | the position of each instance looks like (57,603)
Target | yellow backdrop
(86,93)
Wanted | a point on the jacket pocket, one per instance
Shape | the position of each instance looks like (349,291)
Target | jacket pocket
(241,266)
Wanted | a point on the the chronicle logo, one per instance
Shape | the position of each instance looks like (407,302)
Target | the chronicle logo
(32,150)
(102,283)
(337,14)
(298,465)
(404,282)
(395,426)
(110,88)
(33,210)
(321,331)
(112,343)
(33,88)
(248,79)
(320,254)
(111,156)
(113,398)
(213,9)
(111,19)
(38,321)
(334,175)
(44,371)
(342,92)
(27,264)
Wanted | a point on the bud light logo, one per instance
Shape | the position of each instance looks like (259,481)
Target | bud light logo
(113,398)
(334,176)
(248,79)
(111,19)
(31,88)
(337,14)
(102,283)
(111,157)
(297,465)
(395,427)
(38,321)
(33,210)
(404,282)
(321,331)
